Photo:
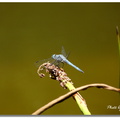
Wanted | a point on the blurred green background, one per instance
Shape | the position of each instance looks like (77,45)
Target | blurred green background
(34,31)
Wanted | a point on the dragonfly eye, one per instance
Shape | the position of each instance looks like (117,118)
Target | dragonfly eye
(53,56)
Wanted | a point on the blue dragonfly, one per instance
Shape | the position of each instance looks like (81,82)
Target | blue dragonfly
(62,58)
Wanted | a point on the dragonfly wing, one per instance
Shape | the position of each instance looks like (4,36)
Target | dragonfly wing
(63,52)
(38,63)
(68,55)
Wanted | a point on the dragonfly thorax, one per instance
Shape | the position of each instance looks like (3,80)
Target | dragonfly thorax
(59,57)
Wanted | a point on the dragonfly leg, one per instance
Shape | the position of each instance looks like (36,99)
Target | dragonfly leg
(62,64)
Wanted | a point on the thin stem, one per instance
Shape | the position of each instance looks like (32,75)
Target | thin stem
(118,38)
(71,93)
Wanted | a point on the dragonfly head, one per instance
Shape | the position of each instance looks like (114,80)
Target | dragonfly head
(53,56)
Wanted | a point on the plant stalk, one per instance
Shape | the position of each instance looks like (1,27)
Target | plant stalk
(79,99)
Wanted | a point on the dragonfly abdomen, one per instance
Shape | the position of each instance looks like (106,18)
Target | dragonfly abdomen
(77,68)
